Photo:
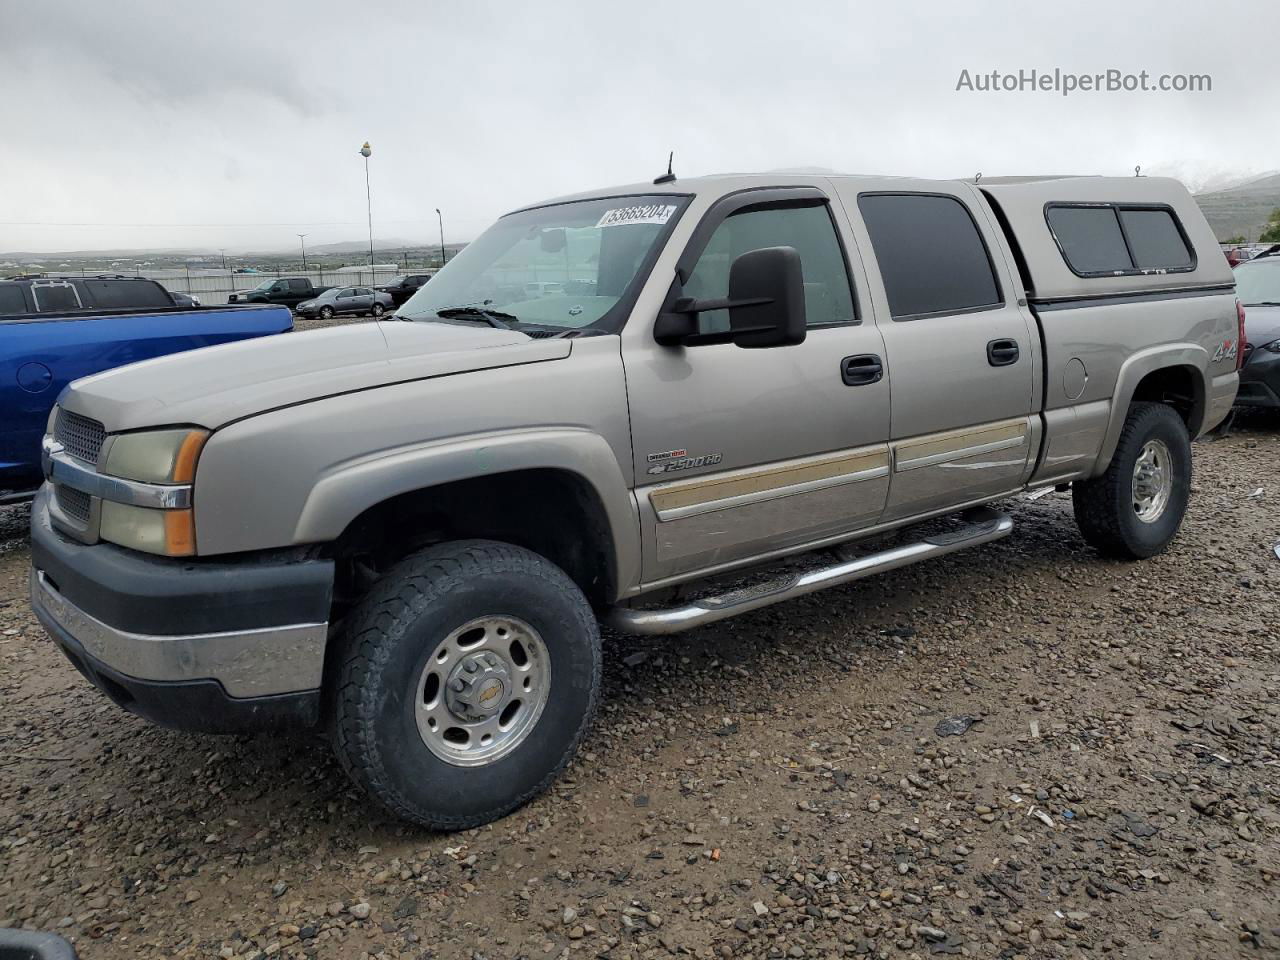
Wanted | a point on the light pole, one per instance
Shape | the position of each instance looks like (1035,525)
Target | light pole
(223,251)
(368,197)
(440,217)
(303,238)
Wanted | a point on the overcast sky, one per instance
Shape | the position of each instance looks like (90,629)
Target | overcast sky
(134,124)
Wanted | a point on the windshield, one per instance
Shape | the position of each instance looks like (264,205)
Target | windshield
(1258,282)
(568,265)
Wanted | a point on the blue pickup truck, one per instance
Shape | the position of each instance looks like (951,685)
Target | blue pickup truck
(57,329)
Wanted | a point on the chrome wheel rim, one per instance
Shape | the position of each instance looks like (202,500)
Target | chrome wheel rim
(1152,481)
(482,691)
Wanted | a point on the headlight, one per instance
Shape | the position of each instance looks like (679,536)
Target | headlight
(1272,347)
(156,456)
(165,457)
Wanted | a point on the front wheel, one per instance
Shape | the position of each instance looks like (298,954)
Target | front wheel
(326,313)
(1134,510)
(466,680)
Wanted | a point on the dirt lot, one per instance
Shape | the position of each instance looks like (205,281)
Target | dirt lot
(775,786)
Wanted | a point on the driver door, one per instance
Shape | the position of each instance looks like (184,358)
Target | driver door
(741,453)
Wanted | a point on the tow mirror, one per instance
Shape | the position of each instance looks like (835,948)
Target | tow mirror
(765,304)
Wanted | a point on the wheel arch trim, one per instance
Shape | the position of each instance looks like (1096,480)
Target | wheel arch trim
(1139,365)
(347,490)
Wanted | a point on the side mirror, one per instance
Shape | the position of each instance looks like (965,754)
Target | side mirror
(766,294)
(765,304)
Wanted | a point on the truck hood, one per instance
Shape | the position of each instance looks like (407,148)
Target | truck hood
(1261,324)
(213,386)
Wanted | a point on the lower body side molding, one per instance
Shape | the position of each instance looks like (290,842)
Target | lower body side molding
(982,526)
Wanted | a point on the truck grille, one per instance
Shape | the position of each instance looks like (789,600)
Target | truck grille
(80,436)
(74,503)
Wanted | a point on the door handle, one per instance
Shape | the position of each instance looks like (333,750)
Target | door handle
(862,369)
(1001,353)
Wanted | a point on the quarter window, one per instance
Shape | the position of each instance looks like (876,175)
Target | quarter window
(827,295)
(1109,239)
(932,258)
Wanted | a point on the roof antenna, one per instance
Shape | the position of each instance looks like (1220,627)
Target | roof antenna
(977,176)
(668,176)
(1137,171)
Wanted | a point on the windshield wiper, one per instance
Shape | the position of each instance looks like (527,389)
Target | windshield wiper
(494,318)
(1264,303)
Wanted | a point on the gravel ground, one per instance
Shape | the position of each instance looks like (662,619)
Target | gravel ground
(774,786)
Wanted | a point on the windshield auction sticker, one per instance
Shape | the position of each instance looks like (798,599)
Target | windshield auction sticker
(648,213)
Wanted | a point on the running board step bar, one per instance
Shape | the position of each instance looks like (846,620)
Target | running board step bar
(983,525)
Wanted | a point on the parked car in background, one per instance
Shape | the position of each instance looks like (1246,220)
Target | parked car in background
(289,291)
(57,329)
(346,300)
(1258,287)
(402,288)
(184,299)
(408,534)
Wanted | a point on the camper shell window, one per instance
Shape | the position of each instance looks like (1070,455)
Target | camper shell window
(1119,239)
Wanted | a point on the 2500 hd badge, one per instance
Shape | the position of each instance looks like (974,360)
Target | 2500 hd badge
(672,461)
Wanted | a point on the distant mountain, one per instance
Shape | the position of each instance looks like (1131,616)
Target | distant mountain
(356,246)
(1243,208)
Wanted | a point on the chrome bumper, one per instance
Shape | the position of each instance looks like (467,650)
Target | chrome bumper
(248,663)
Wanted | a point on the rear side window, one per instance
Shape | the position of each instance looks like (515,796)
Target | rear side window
(127,294)
(55,296)
(11,299)
(299,286)
(932,258)
(1106,239)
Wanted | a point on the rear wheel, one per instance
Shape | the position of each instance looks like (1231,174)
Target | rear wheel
(1135,509)
(467,678)
(378,310)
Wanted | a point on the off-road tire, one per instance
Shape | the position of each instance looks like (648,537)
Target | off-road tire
(326,313)
(1104,505)
(385,645)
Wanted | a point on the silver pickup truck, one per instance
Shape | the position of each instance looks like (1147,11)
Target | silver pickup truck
(408,531)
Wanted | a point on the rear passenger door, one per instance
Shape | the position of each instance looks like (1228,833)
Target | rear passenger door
(960,347)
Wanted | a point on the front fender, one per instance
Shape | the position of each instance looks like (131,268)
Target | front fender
(348,489)
(1191,356)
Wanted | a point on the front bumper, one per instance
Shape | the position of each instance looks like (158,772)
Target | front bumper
(1260,380)
(213,646)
